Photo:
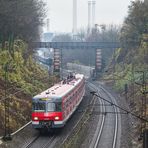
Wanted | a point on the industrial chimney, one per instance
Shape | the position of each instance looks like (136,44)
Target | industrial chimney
(89,16)
(93,13)
(74,17)
(48,25)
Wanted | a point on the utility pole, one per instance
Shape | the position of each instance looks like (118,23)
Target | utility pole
(7,135)
(144,132)
(126,91)
(133,84)
(143,111)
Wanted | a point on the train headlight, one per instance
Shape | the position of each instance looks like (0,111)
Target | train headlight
(36,118)
(56,118)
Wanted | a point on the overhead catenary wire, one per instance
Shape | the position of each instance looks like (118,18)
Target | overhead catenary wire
(121,108)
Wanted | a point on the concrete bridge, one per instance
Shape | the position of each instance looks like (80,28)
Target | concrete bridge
(57,46)
(76,45)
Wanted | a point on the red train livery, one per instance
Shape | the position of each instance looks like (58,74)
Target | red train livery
(53,107)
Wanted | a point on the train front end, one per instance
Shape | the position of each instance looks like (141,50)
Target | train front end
(46,113)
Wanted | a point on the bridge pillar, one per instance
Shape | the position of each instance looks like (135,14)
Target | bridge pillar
(98,64)
(57,61)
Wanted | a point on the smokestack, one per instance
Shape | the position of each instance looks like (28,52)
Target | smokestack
(74,17)
(89,16)
(93,13)
(48,25)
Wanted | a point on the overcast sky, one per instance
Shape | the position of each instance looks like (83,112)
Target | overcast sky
(107,11)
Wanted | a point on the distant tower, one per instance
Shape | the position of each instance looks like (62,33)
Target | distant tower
(93,13)
(48,25)
(74,17)
(89,16)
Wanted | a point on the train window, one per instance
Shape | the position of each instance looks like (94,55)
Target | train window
(58,106)
(38,106)
(50,107)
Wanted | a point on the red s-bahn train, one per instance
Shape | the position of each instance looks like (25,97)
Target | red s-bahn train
(53,107)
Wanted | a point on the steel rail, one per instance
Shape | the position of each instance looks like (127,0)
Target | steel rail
(116,128)
(99,129)
(116,117)
(98,137)
(28,145)
(45,145)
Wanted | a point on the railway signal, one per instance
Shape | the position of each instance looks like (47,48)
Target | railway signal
(98,60)
(57,61)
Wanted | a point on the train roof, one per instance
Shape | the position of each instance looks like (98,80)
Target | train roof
(60,89)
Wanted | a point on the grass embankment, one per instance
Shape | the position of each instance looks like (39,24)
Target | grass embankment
(20,79)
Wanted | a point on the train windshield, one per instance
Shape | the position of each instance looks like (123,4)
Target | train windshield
(39,106)
(50,107)
(54,106)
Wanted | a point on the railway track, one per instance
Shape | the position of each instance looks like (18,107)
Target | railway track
(40,142)
(99,139)
(31,142)
(101,122)
(106,134)
(46,142)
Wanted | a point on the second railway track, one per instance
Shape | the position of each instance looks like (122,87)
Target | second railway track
(106,135)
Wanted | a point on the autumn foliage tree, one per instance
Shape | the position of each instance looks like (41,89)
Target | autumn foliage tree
(135,24)
(21,19)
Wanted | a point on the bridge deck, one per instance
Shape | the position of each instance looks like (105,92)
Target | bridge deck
(76,45)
